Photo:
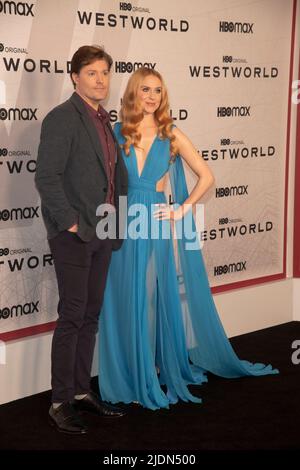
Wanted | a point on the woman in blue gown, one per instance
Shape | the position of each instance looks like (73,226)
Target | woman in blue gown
(159,324)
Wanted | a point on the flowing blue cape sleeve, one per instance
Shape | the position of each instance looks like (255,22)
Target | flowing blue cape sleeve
(209,347)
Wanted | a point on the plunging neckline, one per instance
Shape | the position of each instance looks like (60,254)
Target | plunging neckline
(146,159)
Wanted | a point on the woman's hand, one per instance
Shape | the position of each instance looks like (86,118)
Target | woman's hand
(165,212)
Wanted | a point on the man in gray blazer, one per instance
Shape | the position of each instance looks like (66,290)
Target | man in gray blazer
(79,167)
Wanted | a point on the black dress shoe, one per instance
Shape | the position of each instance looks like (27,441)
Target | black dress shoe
(65,419)
(92,403)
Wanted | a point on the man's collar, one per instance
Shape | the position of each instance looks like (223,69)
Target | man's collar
(83,106)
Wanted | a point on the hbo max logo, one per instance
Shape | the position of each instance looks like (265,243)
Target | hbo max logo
(19,310)
(20,114)
(16,8)
(233,111)
(19,213)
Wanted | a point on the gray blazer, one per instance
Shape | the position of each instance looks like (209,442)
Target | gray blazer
(70,173)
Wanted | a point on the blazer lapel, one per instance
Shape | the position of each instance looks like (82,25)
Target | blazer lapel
(117,147)
(91,130)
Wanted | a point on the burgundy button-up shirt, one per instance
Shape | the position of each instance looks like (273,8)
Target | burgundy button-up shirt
(100,119)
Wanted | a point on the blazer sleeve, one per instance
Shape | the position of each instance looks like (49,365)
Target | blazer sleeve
(53,154)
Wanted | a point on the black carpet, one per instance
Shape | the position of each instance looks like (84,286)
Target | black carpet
(246,414)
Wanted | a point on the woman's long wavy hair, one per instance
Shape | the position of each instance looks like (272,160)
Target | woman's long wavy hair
(131,113)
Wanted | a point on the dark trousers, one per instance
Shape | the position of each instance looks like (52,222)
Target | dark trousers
(81,270)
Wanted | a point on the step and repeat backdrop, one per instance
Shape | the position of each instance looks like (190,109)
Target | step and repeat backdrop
(227,67)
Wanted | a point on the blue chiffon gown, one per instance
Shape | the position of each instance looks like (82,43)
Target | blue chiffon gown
(159,324)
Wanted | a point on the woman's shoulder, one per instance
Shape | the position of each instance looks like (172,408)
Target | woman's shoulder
(117,127)
(117,130)
(177,132)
